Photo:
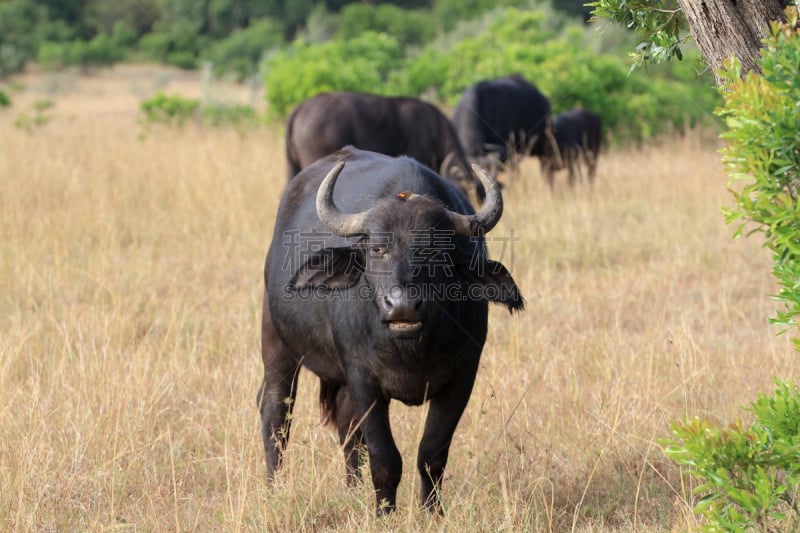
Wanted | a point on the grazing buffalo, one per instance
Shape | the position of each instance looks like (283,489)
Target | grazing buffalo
(378,281)
(502,118)
(578,134)
(387,125)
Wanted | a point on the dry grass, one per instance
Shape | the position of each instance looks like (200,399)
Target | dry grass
(130,287)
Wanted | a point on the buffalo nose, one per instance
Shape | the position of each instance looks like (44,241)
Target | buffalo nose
(399,305)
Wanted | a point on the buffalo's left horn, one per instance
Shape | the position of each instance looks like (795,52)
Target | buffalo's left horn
(343,224)
(488,216)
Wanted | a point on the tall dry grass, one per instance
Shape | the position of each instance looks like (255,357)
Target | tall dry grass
(130,288)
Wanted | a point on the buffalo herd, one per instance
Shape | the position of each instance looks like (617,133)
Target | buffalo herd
(378,280)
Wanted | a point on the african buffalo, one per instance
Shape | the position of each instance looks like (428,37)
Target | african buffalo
(377,280)
(501,118)
(387,125)
(578,134)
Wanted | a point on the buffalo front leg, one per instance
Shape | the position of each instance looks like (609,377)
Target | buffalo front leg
(350,436)
(445,412)
(277,393)
(385,462)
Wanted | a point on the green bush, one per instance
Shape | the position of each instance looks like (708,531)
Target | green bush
(409,26)
(5,100)
(360,64)
(169,109)
(176,110)
(178,44)
(749,474)
(763,156)
(102,50)
(36,115)
(123,34)
(554,56)
(448,12)
(569,73)
(18,21)
(242,51)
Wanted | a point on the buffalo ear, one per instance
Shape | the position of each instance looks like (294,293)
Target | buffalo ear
(491,281)
(330,268)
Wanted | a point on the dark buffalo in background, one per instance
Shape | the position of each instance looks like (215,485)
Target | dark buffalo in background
(377,280)
(498,119)
(388,125)
(578,135)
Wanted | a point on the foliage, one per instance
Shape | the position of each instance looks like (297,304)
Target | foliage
(102,50)
(168,109)
(36,115)
(176,110)
(749,474)
(18,21)
(660,23)
(763,153)
(138,16)
(448,12)
(411,27)
(360,64)
(243,50)
(569,73)
(178,44)
(5,100)
(551,55)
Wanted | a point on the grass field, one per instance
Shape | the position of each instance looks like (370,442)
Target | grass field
(130,289)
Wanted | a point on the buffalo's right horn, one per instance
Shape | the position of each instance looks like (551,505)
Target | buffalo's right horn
(488,216)
(343,224)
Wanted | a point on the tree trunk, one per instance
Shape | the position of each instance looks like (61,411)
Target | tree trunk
(724,28)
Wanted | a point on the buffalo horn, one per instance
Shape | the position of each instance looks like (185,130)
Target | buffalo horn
(488,216)
(344,224)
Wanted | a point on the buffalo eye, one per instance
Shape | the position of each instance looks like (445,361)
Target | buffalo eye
(377,251)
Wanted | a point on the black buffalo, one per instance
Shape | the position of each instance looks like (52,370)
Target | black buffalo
(578,136)
(380,288)
(502,118)
(387,125)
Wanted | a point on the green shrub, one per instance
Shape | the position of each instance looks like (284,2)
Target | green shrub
(5,100)
(178,44)
(360,64)
(763,156)
(182,59)
(410,27)
(169,109)
(36,115)
(448,12)
(749,474)
(57,31)
(18,21)
(123,34)
(570,74)
(242,51)
(176,110)
(550,51)
(100,51)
